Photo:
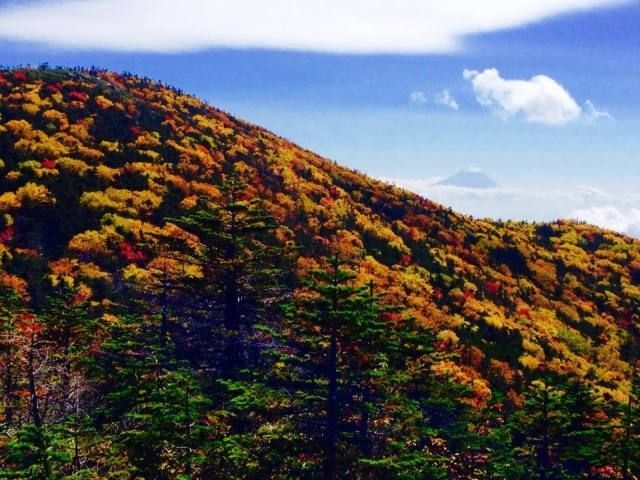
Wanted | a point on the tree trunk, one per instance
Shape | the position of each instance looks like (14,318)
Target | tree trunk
(34,407)
(331,432)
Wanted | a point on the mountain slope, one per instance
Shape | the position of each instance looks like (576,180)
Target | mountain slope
(92,163)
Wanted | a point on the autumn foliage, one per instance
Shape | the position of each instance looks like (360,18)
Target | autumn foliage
(100,175)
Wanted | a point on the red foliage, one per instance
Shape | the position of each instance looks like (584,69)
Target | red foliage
(406,260)
(78,96)
(53,88)
(625,322)
(524,312)
(392,316)
(327,202)
(20,76)
(492,287)
(130,253)
(468,294)
(321,240)
(21,393)
(440,345)
(29,325)
(47,163)
(135,131)
(606,471)
(80,297)
(469,257)
(7,234)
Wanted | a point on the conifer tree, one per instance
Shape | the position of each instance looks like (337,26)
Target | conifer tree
(361,368)
(157,404)
(242,276)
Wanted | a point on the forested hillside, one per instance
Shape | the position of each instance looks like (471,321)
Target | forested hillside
(186,295)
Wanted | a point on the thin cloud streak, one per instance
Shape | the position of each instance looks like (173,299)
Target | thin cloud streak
(335,26)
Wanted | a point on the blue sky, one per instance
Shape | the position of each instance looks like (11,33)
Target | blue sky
(565,144)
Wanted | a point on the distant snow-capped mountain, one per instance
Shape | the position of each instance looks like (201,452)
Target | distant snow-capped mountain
(470,177)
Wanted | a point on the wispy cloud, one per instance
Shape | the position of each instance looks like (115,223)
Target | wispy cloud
(446,99)
(340,26)
(417,98)
(540,99)
(592,114)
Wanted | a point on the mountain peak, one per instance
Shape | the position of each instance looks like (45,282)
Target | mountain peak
(469,177)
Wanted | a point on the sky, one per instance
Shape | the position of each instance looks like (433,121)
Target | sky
(541,95)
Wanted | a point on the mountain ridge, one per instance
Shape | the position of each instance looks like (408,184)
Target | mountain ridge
(430,252)
(101,177)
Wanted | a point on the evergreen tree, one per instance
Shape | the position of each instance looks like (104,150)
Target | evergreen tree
(626,447)
(359,370)
(156,403)
(242,276)
(560,433)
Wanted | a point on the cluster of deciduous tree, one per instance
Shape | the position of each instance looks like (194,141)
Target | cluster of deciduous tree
(184,295)
(226,373)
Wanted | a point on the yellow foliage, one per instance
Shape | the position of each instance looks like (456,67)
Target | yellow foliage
(106,173)
(35,194)
(103,103)
(147,141)
(98,201)
(110,147)
(30,109)
(9,201)
(90,242)
(150,154)
(57,118)
(72,165)
(529,361)
(89,153)
(20,129)
(494,321)
(133,273)
(42,145)
(448,336)
(91,271)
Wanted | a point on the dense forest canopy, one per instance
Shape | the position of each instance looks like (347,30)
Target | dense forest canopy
(186,295)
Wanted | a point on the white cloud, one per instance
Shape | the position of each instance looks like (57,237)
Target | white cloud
(611,217)
(417,98)
(540,99)
(618,212)
(341,26)
(591,113)
(444,98)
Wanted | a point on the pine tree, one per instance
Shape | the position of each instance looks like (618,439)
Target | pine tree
(155,402)
(627,444)
(242,276)
(588,431)
(356,367)
(12,308)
